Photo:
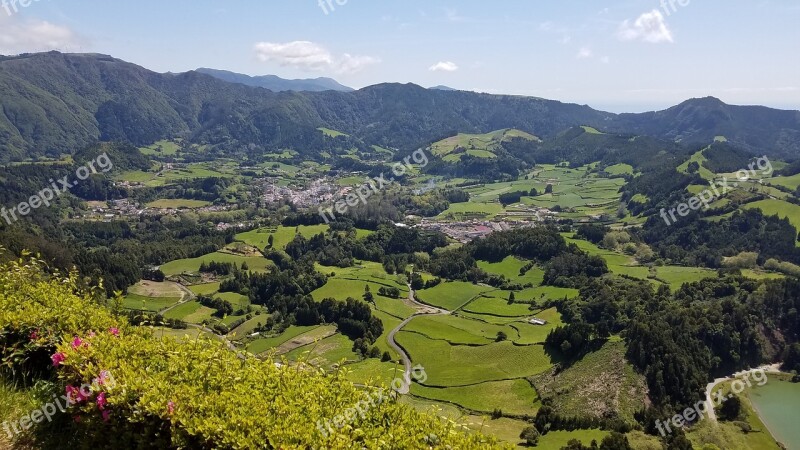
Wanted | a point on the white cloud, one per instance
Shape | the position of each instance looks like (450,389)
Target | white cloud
(453,16)
(649,27)
(306,55)
(584,53)
(444,66)
(30,36)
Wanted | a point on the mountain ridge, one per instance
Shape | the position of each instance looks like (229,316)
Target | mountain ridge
(55,103)
(277,84)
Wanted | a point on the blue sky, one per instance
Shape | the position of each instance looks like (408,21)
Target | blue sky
(632,55)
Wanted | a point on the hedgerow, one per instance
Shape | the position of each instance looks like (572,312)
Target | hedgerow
(146,392)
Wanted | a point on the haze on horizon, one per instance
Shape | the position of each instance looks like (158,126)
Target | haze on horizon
(624,56)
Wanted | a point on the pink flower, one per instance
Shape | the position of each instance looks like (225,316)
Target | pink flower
(76,418)
(171,408)
(103,377)
(114,331)
(92,334)
(35,335)
(75,395)
(101,401)
(106,415)
(58,358)
(77,342)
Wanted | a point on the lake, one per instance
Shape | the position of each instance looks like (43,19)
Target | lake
(778,405)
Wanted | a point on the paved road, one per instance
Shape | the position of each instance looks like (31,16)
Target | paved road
(422,310)
(712,415)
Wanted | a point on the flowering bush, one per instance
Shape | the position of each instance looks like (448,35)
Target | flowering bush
(128,389)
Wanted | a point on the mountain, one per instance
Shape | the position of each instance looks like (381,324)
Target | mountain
(699,121)
(277,84)
(442,88)
(56,103)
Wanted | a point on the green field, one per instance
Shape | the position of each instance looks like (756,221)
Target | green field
(459,365)
(280,235)
(331,133)
(458,330)
(204,289)
(515,397)
(451,295)
(262,345)
(161,148)
(192,265)
(152,304)
(152,296)
(510,268)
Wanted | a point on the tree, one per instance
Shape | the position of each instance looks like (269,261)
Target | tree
(615,441)
(501,336)
(271,240)
(386,357)
(731,409)
(548,189)
(511,298)
(530,435)
(368,297)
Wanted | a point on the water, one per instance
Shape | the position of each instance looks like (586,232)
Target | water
(778,405)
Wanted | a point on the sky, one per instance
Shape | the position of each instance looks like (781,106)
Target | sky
(616,55)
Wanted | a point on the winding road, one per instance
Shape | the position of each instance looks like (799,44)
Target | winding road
(712,415)
(422,310)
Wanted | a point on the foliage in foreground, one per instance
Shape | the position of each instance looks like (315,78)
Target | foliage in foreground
(195,394)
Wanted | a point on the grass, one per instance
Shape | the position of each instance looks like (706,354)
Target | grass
(238,301)
(181,312)
(154,289)
(459,365)
(204,289)
(780,208)
(556,440)
(151,304)
(281,235)
(192,265)
(373,371)
(515,397)
(700,159)
(457,330)
(327,352)
(496,305)
(262,345)
(161,148)
(591,130)
(451,295)
(510,268)
(676,276)
(177,204)
(536,334)
(482,144)
(620,169)
(331,133)
(601,383)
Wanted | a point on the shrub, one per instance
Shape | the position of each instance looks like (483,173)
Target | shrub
(170,393)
